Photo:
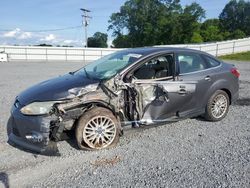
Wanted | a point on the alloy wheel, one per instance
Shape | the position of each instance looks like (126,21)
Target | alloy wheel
(99,132)
(219,106)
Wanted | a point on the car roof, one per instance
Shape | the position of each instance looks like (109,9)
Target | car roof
(151,50)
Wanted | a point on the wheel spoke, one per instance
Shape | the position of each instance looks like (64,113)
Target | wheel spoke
(96,140)
(108,123)
(90,133)
(107,136)
(92,139)
(90,128)
(105,122)
(110,128)
(103,140)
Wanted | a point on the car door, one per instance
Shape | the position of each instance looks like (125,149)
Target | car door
(156,95)
(201,69)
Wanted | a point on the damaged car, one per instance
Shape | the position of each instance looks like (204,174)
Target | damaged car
(138,87)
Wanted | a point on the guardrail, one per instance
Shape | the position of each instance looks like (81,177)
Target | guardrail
(28,53)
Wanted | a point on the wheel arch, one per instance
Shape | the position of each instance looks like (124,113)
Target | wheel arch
(228,93)
(100,103)
(223,85)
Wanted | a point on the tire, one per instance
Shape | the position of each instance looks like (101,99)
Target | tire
(217,106)
(95,127)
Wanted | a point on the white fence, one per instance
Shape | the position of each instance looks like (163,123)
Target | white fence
(29,53)
(218,48)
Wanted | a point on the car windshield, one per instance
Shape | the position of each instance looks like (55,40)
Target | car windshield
(108,66)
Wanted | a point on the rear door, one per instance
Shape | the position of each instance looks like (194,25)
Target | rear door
(201,69)
(156,94)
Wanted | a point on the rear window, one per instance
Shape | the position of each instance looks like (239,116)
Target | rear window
(190,62)
(212,62)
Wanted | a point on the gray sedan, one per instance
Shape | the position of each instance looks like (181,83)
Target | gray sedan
(138,87)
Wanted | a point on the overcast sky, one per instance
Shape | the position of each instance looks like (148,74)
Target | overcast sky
(20,19)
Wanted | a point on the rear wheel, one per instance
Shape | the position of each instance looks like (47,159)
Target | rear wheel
(97,129)
(217,106)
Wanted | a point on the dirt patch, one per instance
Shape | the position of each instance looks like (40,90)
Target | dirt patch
(104,161)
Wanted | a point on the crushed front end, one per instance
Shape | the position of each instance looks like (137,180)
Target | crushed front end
(39,133)
(30,132)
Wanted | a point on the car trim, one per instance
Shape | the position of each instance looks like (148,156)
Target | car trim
(201,70)
(168,78)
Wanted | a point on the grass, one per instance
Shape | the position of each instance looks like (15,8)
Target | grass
(245,56)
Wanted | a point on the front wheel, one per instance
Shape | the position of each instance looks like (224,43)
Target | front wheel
(217,106)
(97,129)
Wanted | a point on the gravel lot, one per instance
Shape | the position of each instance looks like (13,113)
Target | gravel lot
(189,153)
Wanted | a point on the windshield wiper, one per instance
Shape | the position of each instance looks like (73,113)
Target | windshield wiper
(87,74)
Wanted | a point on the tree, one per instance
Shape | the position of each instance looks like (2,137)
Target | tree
(46,45)
(140,18)
(210,30)
(236,15)
(210,22)
(98,40)
(189,20)
(121,41)
(152,22)
(237,34)
(196,38)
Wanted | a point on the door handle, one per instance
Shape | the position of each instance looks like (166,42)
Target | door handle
(207,78)
(182,92)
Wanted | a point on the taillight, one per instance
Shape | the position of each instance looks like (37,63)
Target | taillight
(235,72)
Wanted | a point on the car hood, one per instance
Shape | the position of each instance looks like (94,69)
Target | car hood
(60,88)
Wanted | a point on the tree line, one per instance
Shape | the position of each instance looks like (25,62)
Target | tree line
(159,22)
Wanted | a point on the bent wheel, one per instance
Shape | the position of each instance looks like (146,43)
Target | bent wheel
(97,129)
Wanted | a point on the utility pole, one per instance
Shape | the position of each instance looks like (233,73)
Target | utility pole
(85,22)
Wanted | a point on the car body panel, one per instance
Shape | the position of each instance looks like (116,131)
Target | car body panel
(162,99)
(60,88)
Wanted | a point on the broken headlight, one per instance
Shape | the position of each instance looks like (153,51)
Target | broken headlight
(38,108)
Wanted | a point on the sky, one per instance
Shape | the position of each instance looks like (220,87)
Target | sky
(21,22)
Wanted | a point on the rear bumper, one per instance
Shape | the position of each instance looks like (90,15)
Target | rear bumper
(29,132)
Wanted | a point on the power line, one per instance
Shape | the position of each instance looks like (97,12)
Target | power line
(46,30)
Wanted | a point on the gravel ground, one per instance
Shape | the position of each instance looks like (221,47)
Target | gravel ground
(189,153)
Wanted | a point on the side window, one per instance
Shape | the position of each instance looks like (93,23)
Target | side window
(212,62)
(156,68)
(190,62)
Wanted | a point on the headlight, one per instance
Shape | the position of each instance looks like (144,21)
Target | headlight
(38,108)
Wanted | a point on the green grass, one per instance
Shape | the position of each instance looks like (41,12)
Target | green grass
(245,56)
